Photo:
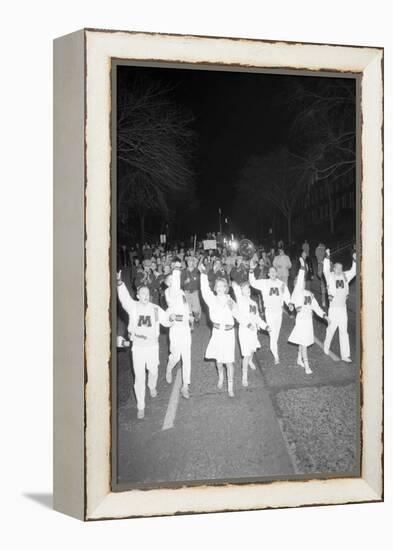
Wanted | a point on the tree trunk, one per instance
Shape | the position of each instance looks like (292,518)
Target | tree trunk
(142,227)
(289,222)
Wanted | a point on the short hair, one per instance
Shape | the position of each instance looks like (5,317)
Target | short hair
(223,280)
(140,287)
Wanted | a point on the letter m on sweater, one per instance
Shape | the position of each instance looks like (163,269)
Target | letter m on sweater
(144,320)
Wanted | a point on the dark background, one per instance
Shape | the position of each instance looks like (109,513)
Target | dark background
(235,115)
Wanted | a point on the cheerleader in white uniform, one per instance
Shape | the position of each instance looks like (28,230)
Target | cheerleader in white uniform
(338,291)
(249,324)
(303,331)
(144,331)
(222,311)
(180,331)
(274,293)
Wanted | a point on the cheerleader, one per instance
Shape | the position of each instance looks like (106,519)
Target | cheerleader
(303,331)
(144,330)
(179,332)
(275,293)
(249,324)
(338,291)
(222,311)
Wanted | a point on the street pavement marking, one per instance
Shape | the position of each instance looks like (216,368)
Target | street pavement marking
(170,416)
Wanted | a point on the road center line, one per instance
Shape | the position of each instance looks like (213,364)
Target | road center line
(170,415)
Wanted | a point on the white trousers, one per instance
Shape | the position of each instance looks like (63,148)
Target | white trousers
(274,320)
(180,346)
(338,320)
(144,358)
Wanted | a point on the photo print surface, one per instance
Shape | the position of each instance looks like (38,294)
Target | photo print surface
(236,309)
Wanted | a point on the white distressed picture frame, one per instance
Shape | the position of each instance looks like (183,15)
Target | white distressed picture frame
(82,248)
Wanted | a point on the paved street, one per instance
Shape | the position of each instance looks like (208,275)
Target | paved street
(285,423)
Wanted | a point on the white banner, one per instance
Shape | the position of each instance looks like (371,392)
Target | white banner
(210,244)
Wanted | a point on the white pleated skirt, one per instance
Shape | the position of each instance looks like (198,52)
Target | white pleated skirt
(249,342)
(221,346)
(303,331)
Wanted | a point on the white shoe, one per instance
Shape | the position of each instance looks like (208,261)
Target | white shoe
(307,369)
(220,383)
(325,351)
(153,393)
(185,393)
(300,363)
(346,360)
(230,392)
(140,414)
(252,365)
(244,383)
(276,360)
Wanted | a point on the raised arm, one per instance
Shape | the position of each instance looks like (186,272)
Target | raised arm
(126,301)
(237,291)
(351,273)
(326,266)
(207,294)
(176,277)
(299,286)
(173,293)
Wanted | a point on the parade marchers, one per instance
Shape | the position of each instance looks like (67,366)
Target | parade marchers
(168,287)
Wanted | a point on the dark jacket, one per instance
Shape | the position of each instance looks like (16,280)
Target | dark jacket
(309,275)
(190,279)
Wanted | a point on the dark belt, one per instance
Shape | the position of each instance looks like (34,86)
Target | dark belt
(179,318)
(225,327)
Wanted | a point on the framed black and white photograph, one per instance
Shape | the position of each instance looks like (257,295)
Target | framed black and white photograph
(218,274)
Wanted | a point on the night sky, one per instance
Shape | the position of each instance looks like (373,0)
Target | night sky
(237,114)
